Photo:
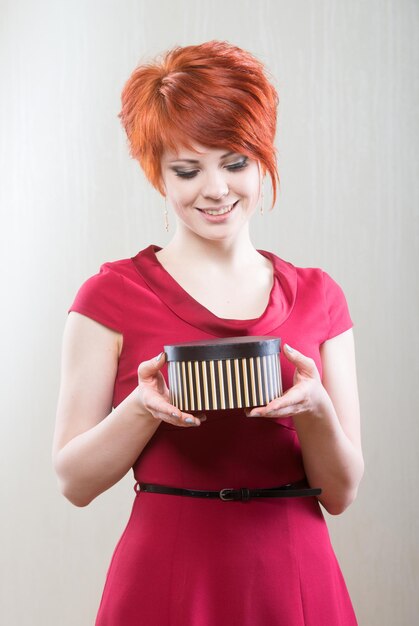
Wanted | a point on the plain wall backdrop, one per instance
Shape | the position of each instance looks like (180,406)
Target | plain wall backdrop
(71,198)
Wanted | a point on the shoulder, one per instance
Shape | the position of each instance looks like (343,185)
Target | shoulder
(108,281)
(101,296)
(315,292)
(306,276)
(316,286)
(316,277)
(310,277)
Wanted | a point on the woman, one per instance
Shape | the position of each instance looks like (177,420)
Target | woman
(201,122)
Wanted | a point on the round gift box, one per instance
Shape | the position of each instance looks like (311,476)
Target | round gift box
(229,373)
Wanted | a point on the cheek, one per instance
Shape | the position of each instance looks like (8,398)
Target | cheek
(250,184)
(252,189)
(182,195)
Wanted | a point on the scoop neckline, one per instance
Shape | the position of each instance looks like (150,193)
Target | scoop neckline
(163,284)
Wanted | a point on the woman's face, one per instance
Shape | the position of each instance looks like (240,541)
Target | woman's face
(213,192)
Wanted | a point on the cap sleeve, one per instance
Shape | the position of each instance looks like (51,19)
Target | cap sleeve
(101,298)
(336,307)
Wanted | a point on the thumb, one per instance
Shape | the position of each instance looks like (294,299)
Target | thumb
(304,364)
(152,366)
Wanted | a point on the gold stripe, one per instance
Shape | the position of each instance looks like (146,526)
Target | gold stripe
(205,380)
(170,383)
(213,389)
(252,381)
(246,387)
(221,377)
(238,391)
(272,382)
(191,390)
(265,378)
(179,402)
(259,380)
(185,392)
(198,386)
(229,385)
(278,366)
(275,376)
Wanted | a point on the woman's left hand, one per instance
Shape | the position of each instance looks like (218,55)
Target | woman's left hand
(306,396)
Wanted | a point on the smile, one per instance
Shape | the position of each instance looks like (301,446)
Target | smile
(220,211)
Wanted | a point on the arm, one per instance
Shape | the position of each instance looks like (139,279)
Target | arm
(327,420)
(94,447)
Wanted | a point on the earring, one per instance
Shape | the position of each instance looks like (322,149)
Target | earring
(166,215)
(262,198)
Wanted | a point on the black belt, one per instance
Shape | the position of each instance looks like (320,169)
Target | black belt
(291,490)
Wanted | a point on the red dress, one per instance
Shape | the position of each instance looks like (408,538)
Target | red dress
(185,561)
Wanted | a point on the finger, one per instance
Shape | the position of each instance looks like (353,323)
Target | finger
(282,412)
(171,414)
(184,421)
(291,398)
(304,364)
(188,419)
(149,368)
(201,416)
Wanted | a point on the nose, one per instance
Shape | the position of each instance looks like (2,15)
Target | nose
(214,186)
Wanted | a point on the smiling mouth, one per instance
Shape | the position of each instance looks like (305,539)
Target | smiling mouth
(220,211)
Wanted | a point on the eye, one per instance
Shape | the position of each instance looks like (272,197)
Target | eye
(186,173)
(239,165)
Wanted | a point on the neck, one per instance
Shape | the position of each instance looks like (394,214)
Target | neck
(188,248)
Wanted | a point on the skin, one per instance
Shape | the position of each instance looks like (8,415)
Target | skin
(94,447)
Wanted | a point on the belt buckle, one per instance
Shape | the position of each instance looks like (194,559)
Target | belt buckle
(224,493)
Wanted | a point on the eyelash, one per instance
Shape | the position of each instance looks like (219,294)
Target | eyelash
(234,167)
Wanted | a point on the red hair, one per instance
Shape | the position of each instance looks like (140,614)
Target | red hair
(215,94)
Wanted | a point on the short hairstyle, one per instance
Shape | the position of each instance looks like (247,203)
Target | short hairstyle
(214,94)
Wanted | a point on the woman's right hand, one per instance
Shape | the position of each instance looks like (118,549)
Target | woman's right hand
(96,444)
(154,395)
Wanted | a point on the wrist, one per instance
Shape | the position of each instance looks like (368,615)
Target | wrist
(138,409)
(320,413)
(325,409)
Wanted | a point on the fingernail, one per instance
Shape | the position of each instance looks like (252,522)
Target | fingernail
(190,420)
(159,356)
(254,415)
(287,347)
(175,415)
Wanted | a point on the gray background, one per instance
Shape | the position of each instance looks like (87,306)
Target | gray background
(71,198)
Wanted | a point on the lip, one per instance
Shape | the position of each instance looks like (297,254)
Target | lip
(217,218)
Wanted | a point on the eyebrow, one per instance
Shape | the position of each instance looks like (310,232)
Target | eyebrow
(196,161)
